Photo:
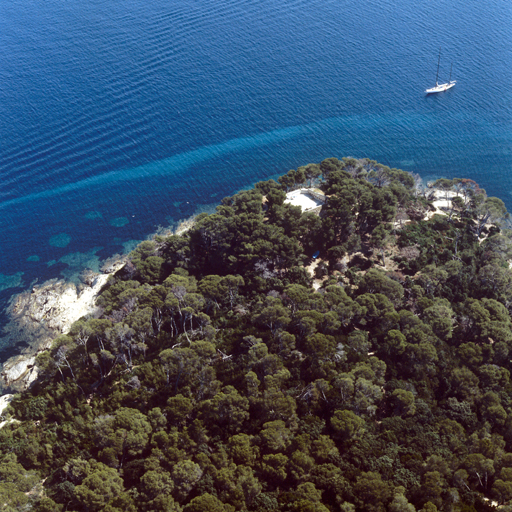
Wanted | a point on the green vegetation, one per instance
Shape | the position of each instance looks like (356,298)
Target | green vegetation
(219,379)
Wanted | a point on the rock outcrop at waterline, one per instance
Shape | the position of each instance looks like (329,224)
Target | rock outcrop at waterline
(41,314)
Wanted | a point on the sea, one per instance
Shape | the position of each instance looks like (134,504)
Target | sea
(121,118)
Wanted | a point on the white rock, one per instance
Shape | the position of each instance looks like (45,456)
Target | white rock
(20,371)
(18,367)
(5,400)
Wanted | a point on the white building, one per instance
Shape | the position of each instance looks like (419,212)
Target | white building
(308,199)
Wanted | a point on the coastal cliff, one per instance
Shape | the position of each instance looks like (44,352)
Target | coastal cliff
(46,311)
(41,314)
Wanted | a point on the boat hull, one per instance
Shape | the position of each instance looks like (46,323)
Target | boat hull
(441,87)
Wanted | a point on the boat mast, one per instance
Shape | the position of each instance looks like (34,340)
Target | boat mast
(451,67)
(438,61)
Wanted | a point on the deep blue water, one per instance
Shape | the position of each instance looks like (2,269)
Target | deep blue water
(120,116)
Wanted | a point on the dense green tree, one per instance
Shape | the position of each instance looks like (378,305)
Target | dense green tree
(371,492)
(101,486)
(156,483)
(400,503)
(375,281)
(185,475)
(227,409)
(275,436)
(347,425)
(11,498)
(439,317)
(488,210)
(207,502)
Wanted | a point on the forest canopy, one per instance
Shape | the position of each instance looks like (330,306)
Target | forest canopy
(231,370)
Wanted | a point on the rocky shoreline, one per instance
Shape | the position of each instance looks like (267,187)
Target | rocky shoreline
(48,310)
(41,314)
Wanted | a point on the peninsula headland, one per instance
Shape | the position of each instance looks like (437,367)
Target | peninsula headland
(349,351)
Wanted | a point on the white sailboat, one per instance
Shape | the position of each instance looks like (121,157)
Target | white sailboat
(441,87)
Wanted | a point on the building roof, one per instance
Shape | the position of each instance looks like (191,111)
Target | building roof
(307,199)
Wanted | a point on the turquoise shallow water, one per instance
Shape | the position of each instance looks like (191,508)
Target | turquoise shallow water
(119,117)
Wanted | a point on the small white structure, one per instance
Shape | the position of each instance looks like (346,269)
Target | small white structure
(442,201)
(307,198)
